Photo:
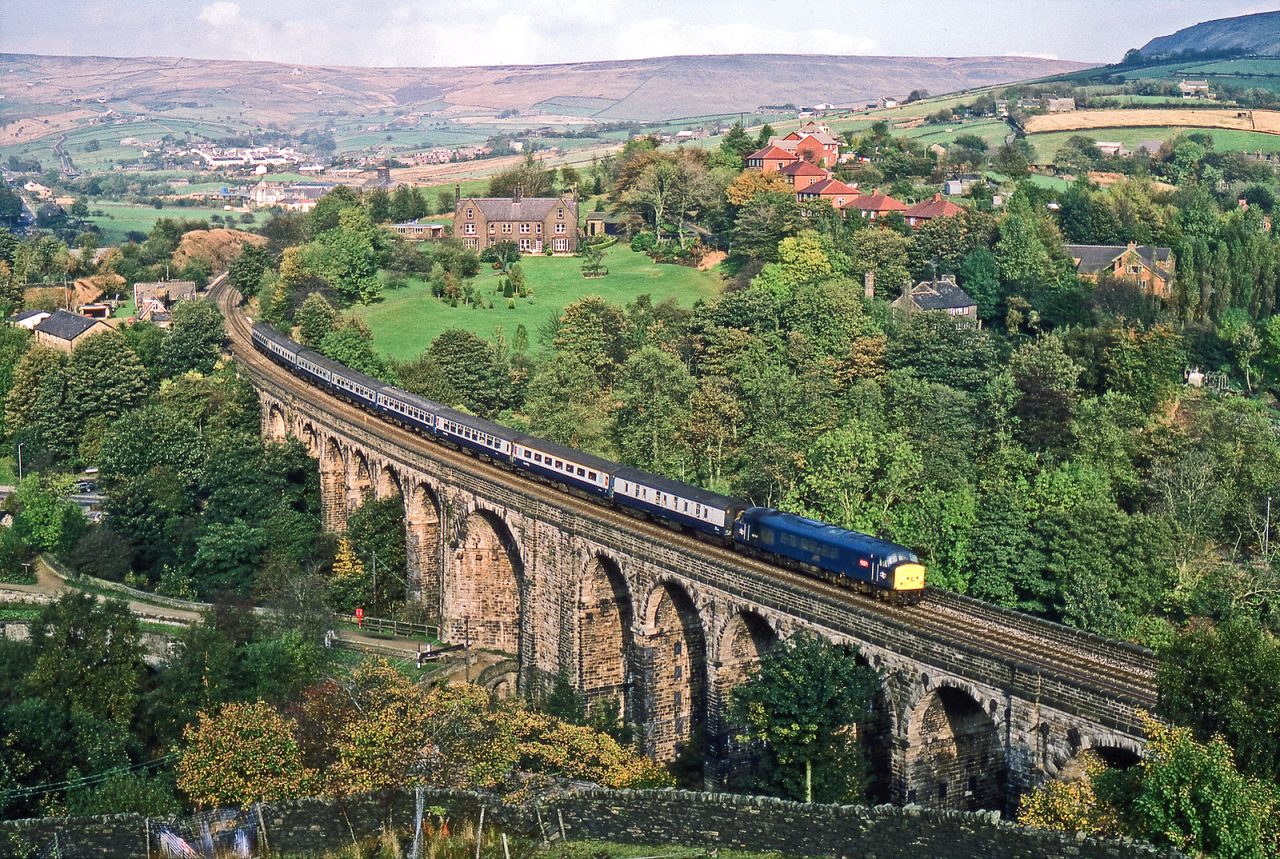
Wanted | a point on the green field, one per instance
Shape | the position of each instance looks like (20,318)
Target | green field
(405,321)
(117,219)
(1053,183)
(993,131)
(1261,72)
(1224,140)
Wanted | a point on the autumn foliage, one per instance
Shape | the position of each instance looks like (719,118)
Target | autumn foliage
(377,731)
(242,754)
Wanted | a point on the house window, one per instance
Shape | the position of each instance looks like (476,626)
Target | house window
(524,228)
(559,229)
(562,244)
(471,213)
(1135,269)
(526,244)
(506,228)
(469,229)
(560,214)
(537,228)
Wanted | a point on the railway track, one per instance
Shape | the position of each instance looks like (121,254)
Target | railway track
(1116,670)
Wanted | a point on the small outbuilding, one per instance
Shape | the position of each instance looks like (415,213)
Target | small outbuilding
(29,319)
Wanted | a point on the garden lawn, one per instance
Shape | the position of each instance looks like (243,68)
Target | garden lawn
(405,321)
(120,218)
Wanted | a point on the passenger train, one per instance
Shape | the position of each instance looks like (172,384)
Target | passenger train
(875,566)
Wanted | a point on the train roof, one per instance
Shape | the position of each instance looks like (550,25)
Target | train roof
(565,452)
(705,497)
(855,540)
(342,369)
(421,402)
(271,334)
(477,423)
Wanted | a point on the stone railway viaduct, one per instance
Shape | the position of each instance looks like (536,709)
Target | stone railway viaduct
(662,625)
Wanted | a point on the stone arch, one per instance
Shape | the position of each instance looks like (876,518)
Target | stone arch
(333,485)
(360,479)
(482,593)
(424,546)
(678,701)
(1115,753)
(387,484)
(310,439)
(740,644)
(744,639)
(277,425)
(604,625)
(954,757)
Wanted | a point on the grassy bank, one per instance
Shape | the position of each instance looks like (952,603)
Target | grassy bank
(405,321)
(1224,140)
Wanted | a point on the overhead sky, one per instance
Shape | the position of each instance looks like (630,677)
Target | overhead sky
(488,32)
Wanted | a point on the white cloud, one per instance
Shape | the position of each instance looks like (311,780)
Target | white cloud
(497,32)
(220,14)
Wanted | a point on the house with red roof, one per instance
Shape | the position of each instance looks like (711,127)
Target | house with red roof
(770,159)
(821,149)
(931,209)
(874,205)
(835,192)
(801,174)
(814,142)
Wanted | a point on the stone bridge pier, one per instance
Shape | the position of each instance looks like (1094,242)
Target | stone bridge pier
(661,637)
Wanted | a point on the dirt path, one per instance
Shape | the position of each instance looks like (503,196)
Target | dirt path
(50,585)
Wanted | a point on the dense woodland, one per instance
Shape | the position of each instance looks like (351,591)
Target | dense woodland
(1052,460)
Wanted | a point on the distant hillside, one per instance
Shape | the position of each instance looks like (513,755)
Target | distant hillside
(46,95)
(1253,34)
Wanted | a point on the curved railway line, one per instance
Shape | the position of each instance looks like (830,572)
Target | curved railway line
(1116,670)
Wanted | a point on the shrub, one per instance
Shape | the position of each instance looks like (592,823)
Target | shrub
(644,242)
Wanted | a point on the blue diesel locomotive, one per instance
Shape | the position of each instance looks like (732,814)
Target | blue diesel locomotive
(879,567)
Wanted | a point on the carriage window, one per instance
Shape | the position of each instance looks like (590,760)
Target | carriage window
(591,475)
(582,472)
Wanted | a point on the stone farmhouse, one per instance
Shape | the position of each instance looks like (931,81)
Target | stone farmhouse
(533,223)
(1152,268)
(940,295)
(65,330)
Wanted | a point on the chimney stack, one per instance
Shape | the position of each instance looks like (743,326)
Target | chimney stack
(457,194)
(515,194)
(869,284)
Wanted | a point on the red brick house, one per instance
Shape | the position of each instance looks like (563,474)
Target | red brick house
(820,147)
(530,222)
(928,210)
(874,205)
(801,174)
(835,192)
(770,159)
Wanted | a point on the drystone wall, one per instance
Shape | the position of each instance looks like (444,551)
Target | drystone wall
(315,826)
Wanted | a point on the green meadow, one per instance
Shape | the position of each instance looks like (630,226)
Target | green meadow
(405,321)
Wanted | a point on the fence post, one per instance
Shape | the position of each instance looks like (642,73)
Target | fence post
(417,825)
(262,827)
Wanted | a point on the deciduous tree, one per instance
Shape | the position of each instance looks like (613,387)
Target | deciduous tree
(239,755)
(802,705)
